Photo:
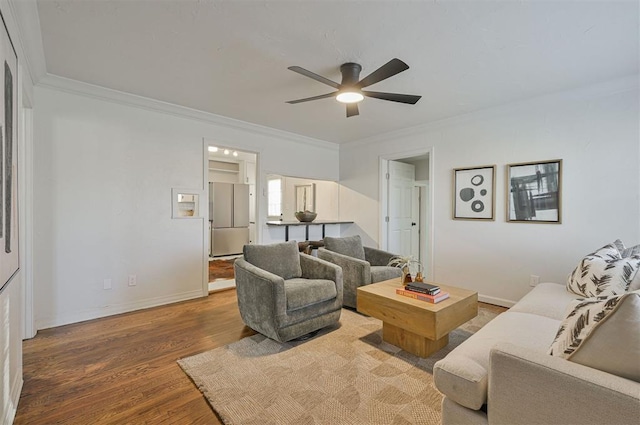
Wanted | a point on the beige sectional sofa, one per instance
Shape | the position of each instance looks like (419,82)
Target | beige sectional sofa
(503,374)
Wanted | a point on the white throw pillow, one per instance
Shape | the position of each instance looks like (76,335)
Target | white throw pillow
(624,251)
(603,273)
(596,328)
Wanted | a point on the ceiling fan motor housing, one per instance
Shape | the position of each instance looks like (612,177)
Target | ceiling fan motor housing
(350,74)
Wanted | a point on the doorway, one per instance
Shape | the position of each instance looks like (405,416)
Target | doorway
(406,204)
(231,213)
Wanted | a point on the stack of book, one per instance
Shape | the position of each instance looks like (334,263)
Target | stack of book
(423,291)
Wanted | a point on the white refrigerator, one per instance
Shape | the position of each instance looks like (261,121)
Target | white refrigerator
(229,217)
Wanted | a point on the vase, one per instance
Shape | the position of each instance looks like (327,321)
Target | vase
(406,275)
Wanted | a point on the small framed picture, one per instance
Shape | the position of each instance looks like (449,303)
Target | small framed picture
(474,193)
(534,192)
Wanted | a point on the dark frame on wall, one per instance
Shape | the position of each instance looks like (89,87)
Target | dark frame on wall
(9,230)
(474,193)
(534,192)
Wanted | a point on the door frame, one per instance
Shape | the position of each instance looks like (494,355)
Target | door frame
(205,187)
(429,207)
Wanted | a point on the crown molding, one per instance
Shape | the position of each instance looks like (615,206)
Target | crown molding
(594,91)
(75,87)
(23,22)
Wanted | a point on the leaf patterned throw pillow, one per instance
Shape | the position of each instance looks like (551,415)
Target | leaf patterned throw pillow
(624,251)
(595,328)
(603,273)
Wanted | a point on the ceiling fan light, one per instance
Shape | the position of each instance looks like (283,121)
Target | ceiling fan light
(349,97)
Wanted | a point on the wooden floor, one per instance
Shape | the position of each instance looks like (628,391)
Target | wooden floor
(122,369)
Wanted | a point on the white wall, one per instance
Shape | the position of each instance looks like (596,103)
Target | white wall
(595,130)
(103,177)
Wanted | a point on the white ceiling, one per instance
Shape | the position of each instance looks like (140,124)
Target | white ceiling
(230,57)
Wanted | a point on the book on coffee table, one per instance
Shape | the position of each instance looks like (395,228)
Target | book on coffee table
(424,288)
(423,297)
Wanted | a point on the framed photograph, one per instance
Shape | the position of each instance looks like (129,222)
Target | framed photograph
(474,193)
(9,231)
(534,192)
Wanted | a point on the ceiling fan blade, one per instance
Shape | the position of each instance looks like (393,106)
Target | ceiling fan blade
(316,77)
(307,99)
(394,97)
(389,69)
(352,109)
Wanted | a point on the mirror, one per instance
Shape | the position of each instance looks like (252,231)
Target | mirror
(286,195)
(306,197)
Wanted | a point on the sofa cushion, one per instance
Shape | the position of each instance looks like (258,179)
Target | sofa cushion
(380,273)
(603,273)
(301,293)
(462,375)
(602,333)
(546,299)
(350,246)
(281,259)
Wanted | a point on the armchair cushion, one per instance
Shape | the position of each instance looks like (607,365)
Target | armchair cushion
(281,259)
(350,246)
(302,293)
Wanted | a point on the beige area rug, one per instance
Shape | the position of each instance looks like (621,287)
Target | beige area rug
(345,374)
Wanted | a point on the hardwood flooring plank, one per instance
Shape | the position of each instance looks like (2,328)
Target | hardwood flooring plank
(123,370)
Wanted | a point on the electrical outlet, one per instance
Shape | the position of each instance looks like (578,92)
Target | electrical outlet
(132,280)
(534,280)
(107,284)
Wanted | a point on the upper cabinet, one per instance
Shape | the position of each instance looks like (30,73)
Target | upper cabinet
(248,172)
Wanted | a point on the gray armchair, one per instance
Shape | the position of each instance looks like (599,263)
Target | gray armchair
(284,294)
(361,265)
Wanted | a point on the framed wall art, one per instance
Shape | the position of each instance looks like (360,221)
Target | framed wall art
(474,193)
(534,192)
(9,260)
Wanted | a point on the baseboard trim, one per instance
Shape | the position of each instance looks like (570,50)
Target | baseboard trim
(496,301)
(96,313)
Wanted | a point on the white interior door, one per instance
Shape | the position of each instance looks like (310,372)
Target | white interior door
(400,199)
(415,224)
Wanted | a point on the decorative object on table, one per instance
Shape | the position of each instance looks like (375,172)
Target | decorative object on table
(474,193)
(9,230)
(405,263)
(534,192)
(306,216)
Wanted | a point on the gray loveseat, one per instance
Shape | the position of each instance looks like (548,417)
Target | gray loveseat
(361,265)
(503,375)
(284,294)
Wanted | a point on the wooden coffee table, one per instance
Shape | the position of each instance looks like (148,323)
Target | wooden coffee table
(419,327)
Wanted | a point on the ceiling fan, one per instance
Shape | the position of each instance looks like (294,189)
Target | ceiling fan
(350,89)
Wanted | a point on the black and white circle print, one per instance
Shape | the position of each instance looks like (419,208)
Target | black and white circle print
(477,180)
(473,193)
